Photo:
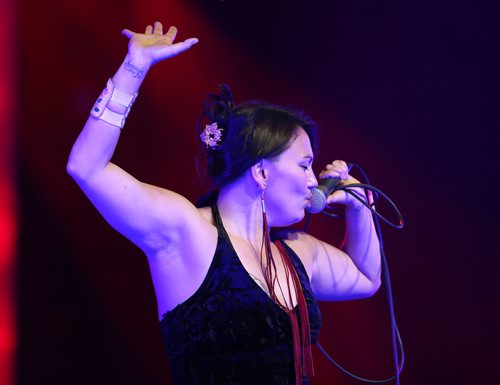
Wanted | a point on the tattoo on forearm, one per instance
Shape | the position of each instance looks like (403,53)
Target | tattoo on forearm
(136,72)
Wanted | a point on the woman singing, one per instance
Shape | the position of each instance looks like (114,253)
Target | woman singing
(237,297)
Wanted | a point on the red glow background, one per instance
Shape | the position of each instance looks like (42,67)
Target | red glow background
(8,202)
(408,91)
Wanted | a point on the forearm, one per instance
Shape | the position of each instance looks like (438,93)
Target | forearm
(96,143)
(131,74)
(361,242)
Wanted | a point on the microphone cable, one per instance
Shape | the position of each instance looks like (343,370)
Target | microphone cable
(371,206)
(397,343)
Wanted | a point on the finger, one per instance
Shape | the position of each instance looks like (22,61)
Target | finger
(177,48)
(128,33)
(339,197)
(149,30)
(337,164)
(341,164)
(170,35)
(184,45)
(158,28)
(330,174)
(191,41)
(369,196)
(344,174)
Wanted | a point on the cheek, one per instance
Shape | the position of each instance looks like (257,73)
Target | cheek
(285,203)
(292,184)
(300,183)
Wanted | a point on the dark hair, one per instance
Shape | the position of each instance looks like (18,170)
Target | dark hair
(251,131)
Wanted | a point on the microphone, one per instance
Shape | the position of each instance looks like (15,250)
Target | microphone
(320,193)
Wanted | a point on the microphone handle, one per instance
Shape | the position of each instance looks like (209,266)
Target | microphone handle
(327,185)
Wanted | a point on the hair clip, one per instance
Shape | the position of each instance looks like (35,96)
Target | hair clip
(211,136)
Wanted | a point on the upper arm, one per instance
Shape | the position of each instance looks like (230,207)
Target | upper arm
(336,276)
(333,274)
(151,217)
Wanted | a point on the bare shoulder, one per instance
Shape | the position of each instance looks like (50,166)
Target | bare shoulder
(206,213)
(173,205)
(296,238)
(303,244)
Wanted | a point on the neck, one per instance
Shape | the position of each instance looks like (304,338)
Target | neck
(240,208)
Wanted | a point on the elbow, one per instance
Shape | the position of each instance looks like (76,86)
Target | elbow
(73,169)
(369,288)
(76,169)
(374,287)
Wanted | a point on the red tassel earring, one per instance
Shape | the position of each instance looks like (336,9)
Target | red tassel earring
(301,339)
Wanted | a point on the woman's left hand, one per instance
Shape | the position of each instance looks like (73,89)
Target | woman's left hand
(153,45)
(339,169)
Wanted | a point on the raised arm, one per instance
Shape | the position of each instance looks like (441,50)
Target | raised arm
(149,216)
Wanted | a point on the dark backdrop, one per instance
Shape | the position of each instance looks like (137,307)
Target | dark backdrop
(406,89)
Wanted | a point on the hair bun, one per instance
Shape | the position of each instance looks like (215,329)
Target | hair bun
(218,107)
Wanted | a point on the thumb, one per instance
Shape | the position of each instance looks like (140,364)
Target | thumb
(128,33)
(182,46)
(191,42)
(338,197)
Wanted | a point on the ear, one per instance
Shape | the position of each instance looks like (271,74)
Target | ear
(259,174)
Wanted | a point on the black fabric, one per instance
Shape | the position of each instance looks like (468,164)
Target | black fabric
(230,331)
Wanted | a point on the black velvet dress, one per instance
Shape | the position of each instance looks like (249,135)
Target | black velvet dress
(230,332)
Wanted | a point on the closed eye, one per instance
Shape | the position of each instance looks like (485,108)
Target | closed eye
(308,160)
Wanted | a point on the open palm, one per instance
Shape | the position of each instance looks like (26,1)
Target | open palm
(153,45)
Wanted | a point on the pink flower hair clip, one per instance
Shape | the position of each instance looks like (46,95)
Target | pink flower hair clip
(212,135)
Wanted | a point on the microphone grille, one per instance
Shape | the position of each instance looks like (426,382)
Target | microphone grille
(318,201)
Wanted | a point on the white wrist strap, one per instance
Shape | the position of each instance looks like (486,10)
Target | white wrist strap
(110,93)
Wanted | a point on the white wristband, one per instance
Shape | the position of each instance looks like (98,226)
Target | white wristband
(110,93)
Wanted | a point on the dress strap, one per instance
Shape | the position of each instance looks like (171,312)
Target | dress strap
(218,219)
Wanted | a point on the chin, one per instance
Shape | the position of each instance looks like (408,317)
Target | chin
(300,217)
(289,221)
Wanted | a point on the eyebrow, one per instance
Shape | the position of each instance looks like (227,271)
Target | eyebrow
(308,157)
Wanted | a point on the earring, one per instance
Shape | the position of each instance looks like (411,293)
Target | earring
(262,201)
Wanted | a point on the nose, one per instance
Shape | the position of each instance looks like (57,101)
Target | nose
(312,182)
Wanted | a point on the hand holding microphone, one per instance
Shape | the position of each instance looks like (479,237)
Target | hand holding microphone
(335,174)
(321,193)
